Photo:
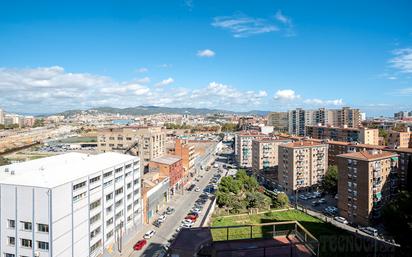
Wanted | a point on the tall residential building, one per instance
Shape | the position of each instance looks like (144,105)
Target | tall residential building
(400,115)
(243,147)
(146,142)
(367,180)
(69,205)
(297,122)
(186,151)
(265,153)
(349,117)
(400,139)
(362,135)
(302,165)
(279,121)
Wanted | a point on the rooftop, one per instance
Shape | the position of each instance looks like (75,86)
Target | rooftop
(57,170)
(305,143)
(368,155)
(168,159)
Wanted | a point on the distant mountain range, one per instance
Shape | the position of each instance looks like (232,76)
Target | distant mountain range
(148,110)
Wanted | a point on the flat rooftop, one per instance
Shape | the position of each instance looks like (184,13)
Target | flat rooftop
(368,155)
(57,170)
(305,143)
(168,159)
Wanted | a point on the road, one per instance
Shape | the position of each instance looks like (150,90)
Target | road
(182,204)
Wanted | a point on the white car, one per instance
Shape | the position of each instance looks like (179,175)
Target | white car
(187,221)
(341,220)
(197,210)
(197,189)
(161,218)
(185,225)
(149,234)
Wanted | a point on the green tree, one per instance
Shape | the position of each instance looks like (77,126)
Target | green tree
(282,200)
(397,218)
(330,181)
(38,123)
(4,161)
(257,200)
(229,127)
(228,184)
(384,133)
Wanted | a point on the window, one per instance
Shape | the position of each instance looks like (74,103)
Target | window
(26,225)
(109,209)
(109,196)
(128,166)
(107,183)
(107,174)
(129,207)
(95,179)
(95,232)
(129,196)
(95,246)
(11,240)
(11,223)
(129,185)
(42,227)
(118,170)
(109,221)
(128,174)
(26,243)
(118,179)
(118,203)
(95,218)
(95,204)
(136,181)
(109,234)
(42,245)
(119,214)
(136,192)
(78,186)
(79,196)
(8,255)
(119,191)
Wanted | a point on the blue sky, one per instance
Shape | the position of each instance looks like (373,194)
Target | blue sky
(235,55)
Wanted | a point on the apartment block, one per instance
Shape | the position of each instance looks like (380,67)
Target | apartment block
(155,194)
(400,139)
(69,205)
(2,116)
(297,122)
(146,142)
(170,166)
(345,134)
(367,180)
(243,147)
(186,151)
(279,121)
(302,165)
(265,153)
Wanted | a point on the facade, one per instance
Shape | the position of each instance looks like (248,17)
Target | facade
(146,142)
(265,153)
(367,180)
(345,134)
(186,151)
(2,116)
(402,114)
(155,194)
(279,121)
(302,165)
(170,166)
(243,147)
(297,122)
(400,139)
(69,205)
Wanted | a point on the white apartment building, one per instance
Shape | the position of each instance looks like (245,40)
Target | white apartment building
(69,205)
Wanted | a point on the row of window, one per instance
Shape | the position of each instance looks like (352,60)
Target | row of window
(27,226)
(27,243)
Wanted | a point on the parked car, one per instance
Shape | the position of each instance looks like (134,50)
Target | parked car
(315,203)
(149,234)
(187,221)
(157,223)
(302,197)
(139,245)
(197,210)
(191,187)
(186,225)
(197,189)
(169,210)
(370,231)
(341,220)
(161,218)
(194,214)
(191,217)
(322,201)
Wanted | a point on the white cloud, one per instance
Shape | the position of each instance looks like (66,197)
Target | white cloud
(143,70)
(316,101)
(402,60)
(287,23)
(406,91)
(206,53)
(144,80)
(165,82)
(244,26)
(286,95)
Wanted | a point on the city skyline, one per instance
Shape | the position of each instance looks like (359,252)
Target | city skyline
(232,56)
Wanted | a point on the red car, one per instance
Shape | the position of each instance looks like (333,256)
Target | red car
(139,245)
(191,217)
